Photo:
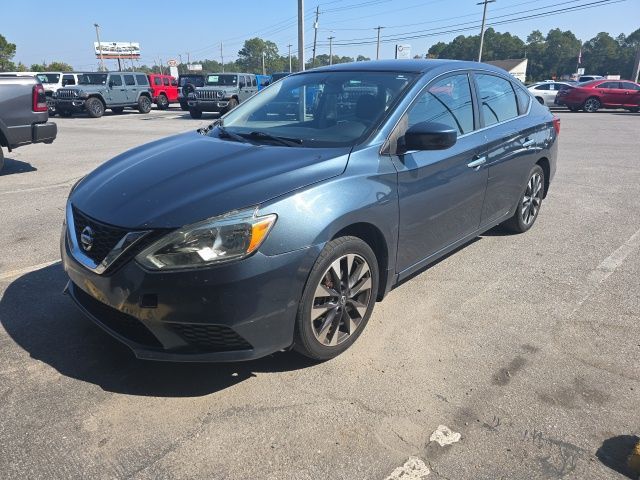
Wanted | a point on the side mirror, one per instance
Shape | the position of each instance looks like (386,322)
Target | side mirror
(430,136)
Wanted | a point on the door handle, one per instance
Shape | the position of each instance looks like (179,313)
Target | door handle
(528,143)
(478,162)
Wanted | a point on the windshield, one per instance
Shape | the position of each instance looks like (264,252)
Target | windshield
(49,77)
(278,76)
(92,79)
(222,80)
(195,80)
(320,109)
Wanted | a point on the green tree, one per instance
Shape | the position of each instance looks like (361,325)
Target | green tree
(38,67)
(59,67)
(602,55)
(7,52)
(561,53)
(250,56)
(362,58)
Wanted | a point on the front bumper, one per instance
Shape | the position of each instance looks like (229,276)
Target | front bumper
(240,311)
(208,105)
(70,105)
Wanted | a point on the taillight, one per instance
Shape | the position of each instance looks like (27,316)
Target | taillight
(556,125)
(39,98)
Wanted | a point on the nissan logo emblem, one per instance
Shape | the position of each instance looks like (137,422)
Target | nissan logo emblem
(86,238)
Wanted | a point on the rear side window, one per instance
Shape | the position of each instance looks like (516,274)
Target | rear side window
(523,97)
(165,82)
(128,80)
(446,101)
(497,99)
(630,86)
(142,80)
(116,80)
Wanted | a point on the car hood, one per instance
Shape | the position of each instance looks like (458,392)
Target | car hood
(186,178)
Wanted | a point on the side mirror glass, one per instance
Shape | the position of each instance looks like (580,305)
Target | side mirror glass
(430,136)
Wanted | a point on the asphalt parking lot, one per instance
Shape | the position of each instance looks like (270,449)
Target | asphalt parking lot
(528,346)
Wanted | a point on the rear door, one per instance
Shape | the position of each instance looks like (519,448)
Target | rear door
(512,143)
(631,95)
(130,87)
(244,87)
(440,191)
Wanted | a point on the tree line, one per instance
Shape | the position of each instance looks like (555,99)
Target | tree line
(554,55)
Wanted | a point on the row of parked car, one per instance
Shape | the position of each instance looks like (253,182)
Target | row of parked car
(94,92)
(590,95)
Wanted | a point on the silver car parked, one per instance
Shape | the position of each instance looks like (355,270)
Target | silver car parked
(545,92)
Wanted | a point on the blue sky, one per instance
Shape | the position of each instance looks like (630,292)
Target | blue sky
(168,29)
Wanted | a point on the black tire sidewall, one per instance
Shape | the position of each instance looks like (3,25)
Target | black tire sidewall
(144,104)
(197,114)
(89,107)
(163,102)
(517,224)
(304,338)
(233,103)
(1,159)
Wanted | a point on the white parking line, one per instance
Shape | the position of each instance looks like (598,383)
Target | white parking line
(22,271)
(67,184)
(613,261)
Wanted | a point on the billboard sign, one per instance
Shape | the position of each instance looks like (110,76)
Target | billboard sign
(172,63)
(195,67)
(403,51)
(108,50)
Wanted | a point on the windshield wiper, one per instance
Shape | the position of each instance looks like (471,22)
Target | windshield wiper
(224,133)
(287,142)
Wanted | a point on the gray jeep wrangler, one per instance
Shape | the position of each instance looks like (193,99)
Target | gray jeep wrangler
(98,91)
(221,92)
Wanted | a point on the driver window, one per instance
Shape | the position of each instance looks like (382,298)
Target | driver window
(446,101)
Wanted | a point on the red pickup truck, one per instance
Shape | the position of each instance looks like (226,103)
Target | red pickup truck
(164,90)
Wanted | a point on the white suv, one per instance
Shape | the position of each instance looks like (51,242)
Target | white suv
(52,82)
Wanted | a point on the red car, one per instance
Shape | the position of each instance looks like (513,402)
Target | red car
(164,90)
(591,96)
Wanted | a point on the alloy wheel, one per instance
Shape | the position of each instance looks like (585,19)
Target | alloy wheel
(591,105)
(532,199)
(341,299)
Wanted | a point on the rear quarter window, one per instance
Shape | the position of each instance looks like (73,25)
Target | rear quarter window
(523,97)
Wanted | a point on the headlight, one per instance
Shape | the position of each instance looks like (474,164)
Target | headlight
(221,239)
(82,94)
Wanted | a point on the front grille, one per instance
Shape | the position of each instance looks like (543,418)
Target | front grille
(211,338)
(209,94)
(105,237)
(125,325)
(62,93)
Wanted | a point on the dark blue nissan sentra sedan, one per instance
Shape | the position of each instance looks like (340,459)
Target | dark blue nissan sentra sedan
(282,224)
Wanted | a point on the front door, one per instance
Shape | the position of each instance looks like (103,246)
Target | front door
(440,191)
(631,94)
(116,89)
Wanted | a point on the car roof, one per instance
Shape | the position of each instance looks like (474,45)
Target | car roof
(407,66)
(231,73)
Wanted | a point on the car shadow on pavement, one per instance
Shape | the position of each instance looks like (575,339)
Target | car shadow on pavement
(13,166)
(46,324)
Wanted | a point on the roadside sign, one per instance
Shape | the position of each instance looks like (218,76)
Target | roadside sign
(173,71)
(403,51)
(195,67)
(172,63)
(581,71)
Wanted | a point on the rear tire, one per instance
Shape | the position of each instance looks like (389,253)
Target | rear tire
(529,204)
(144,104)
(340,293)
(197,114)
(163,102)
(1,159)
(117,110)
(591,105)
(94,107)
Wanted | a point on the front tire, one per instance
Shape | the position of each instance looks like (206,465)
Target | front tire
(144,104)
(233,103)
(163,102)
(94,107)
(197,114)
(1,159)
(591,105)
(337,300)
(529,204)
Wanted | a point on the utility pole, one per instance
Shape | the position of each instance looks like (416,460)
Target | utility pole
(331,50)
(484,17)
(636,67)
(315,36)
(188,58)
(378,44)
(301,35)
(289,57)
(264,71)
(221,57)
(99,46)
